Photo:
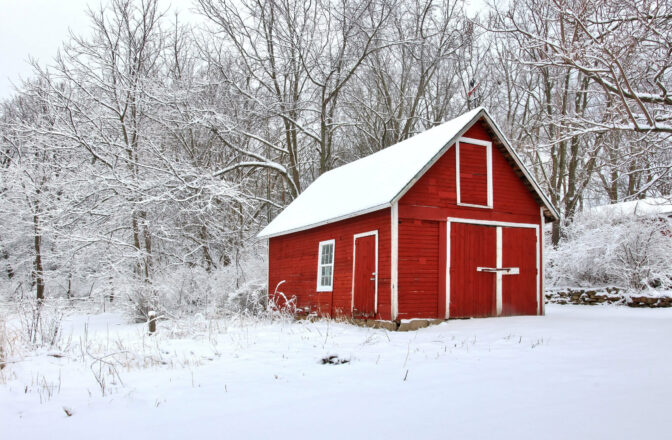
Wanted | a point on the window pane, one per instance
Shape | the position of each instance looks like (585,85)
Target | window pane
(325,278)
(327,254)
(326,265)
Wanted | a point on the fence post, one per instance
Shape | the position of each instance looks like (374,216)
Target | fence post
(152,321)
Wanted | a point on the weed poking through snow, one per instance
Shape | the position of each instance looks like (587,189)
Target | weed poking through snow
(333,360)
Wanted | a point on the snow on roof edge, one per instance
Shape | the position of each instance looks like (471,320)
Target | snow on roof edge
(325,222)
(470,118)
(388,170)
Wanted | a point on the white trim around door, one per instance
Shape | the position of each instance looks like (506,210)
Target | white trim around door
(354,265)
(499,270)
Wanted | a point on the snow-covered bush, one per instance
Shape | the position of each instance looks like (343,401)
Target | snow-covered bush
(39,325)
(602,248)
(185,290)
(3,343)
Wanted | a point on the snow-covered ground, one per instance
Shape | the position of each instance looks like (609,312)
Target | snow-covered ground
(579,372)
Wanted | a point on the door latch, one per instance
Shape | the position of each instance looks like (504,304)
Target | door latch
(502,270)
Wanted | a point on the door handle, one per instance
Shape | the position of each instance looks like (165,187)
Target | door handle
(502,270)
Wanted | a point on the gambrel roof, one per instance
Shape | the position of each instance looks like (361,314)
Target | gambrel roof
(379,180)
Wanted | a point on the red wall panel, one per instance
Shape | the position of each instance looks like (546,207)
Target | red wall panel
(519,292)
(473,174)
(419,267)
(472,293)
(293,259)
(433,199)
(512,200)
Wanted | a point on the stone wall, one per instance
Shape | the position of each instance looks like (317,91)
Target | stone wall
(605,295)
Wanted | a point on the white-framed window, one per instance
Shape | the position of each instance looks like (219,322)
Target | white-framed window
(325,266)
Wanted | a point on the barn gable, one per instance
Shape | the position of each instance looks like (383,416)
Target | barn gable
(437,187)
(422,227)
(387,175)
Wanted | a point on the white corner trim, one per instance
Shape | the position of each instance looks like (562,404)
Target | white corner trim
(498,276)
(540,263)
(448,269)
(354,266)
(268,268)
(394,262)
(539,292)
(488,161)
(330,288)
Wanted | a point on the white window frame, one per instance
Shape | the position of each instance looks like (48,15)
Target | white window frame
(320,287)
(488,156)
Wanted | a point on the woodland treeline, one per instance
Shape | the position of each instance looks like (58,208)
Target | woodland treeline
(151,146)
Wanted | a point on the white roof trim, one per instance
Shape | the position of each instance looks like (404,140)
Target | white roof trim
(482,113)
(326,222)
(523,168)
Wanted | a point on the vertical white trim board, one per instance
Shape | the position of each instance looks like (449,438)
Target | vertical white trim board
(268,268)
(394,263)
(498,275)
(540,263)
(447,269)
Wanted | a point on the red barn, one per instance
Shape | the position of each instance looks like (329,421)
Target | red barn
(446,224)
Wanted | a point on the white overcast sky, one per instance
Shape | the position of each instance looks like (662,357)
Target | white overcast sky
(37,28)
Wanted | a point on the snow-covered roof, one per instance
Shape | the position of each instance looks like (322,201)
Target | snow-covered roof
(376,181)
(644,207)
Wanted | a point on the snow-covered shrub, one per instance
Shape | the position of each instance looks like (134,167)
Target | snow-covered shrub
(3,343)
(142,298)
(187,290)
(601,248)
(40,323)
(250,299)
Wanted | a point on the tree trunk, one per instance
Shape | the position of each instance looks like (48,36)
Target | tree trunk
(39,271)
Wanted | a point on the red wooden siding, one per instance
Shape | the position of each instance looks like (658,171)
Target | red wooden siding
(427,205)
(423,254)
(419,267)
(472,293)
(519,292)
(293,259)
(512,200)
(364,287)
(473,174)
